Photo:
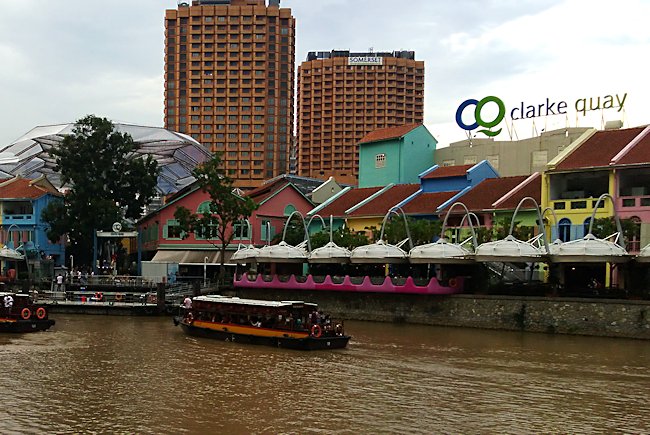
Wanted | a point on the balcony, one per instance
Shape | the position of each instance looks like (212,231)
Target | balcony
(18,219)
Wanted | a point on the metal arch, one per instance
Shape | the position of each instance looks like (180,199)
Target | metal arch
(619,240)
(304,225)
(322,221)
(539,216)
(406,224)
(468,214)
(554,219)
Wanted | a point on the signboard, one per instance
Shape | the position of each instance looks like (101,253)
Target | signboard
(365,60)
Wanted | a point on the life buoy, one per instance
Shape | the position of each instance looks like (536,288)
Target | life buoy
(26,313)
(41,313)
(190,318)
(99,296)
(316,331)
(453,282)
(119,297)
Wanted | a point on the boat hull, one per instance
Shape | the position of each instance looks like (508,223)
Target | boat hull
(307,343)
(22,326)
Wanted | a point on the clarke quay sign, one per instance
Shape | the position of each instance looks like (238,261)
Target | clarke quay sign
(523,111)
(365,60)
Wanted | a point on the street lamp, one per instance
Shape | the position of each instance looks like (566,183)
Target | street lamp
(205,268)
(71,263)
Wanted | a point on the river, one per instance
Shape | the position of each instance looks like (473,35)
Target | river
(104,374)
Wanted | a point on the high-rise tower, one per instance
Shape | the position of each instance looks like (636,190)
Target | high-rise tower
(342,96)
(229,67)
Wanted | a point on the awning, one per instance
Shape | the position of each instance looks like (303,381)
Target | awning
(190,257)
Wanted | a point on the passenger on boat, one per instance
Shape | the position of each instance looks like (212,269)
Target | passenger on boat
(8,303)
(187,303)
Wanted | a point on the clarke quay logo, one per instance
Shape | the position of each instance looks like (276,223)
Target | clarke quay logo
(523,111)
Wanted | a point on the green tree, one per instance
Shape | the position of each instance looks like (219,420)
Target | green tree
(422,230)
(605,227)
(215,224)
(107,182)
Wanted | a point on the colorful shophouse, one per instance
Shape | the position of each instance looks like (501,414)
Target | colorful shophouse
(21,204)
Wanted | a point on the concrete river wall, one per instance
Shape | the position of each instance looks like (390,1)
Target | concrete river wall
(597,317)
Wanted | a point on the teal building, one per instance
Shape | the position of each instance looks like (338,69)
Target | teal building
(395,155)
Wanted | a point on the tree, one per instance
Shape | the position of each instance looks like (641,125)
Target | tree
(107,183)
(215,223)
(422,230)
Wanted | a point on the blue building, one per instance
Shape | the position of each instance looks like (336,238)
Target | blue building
(21,204)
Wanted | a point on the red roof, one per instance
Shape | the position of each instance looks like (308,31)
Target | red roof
(19,188)
(484,194)
(427,203)
(532,189)
(599,149)
(388,133)
(350,198)
(380,205)
(640,153)
(264,192)
(448,171)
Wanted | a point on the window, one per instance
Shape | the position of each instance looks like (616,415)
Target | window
(290,208)
(564,227)
(380,160)
(172,230)
(241,230)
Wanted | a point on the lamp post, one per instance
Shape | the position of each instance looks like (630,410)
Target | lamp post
(205,268)
(71,263)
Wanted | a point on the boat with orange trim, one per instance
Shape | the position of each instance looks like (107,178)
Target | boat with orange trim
(287,324)
(18,313)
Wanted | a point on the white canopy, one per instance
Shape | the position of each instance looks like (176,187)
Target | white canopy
(644,255)
(509,249)
(589,249)
(10,254)
(378,252)
(440,251)
(330,253)
(245,255)
(281,253)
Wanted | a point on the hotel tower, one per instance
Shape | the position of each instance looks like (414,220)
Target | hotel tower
(229,68)
(342,96)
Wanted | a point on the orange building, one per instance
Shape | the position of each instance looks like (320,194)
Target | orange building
(343,96)
(229,67)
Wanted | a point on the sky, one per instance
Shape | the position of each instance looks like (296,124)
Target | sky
(63,60)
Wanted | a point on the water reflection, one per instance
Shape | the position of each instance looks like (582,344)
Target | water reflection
(142,375)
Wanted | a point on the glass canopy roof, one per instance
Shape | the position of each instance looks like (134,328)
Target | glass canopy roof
(177,154)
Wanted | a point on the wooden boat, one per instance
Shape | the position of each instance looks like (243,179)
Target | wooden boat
(18,313)
(286,324)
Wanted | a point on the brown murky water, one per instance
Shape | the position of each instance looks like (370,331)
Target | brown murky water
(93,374)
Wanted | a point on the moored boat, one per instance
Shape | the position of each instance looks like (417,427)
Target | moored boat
(18,313)
(287,324)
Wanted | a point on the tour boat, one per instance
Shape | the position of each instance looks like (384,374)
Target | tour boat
(19,314)
(287,324)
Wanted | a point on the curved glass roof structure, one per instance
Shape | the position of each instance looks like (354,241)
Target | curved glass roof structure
(177,154)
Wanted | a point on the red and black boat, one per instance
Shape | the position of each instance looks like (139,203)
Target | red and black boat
(287,324)
(18,313)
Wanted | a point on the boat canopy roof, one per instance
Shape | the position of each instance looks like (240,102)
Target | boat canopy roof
(219,299)
(330,253)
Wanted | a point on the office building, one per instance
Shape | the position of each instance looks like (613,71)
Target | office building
(229,67)
(343,96)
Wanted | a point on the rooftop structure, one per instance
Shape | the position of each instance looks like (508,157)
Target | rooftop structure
(177,154)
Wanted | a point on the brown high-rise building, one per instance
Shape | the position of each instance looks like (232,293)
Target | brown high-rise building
(229,68)
(342,96)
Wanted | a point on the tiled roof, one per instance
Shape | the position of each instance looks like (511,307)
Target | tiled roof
(266,191)
(350,198)
(388,133)
(599,149)
(532,189)
(380,205)
(427,203)
(19,188)
(448,171)
(484,194)
(640,153)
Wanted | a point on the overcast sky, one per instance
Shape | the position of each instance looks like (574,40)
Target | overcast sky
(62,60)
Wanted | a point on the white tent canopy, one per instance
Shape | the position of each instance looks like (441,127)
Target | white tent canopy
(589,249)
(440,251)
(330,253)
